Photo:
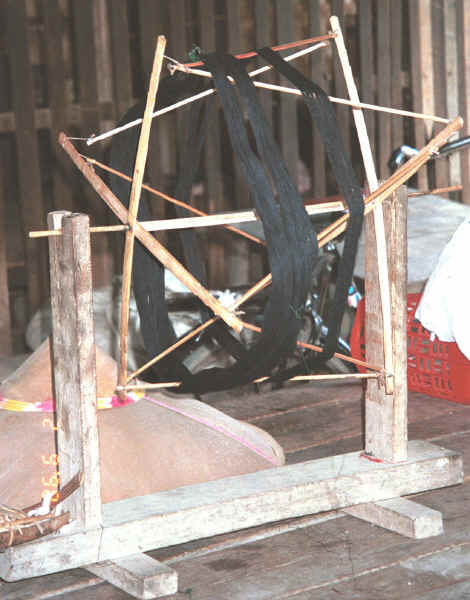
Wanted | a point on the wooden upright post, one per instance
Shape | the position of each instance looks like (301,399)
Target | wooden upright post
(74,365)
(386,414)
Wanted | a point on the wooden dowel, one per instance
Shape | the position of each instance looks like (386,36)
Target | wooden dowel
(136,189)
(259,71)
(371,176)
(96,138)
(400,176)
(268,86)
(246,216)
(146,238)
(172,200)
(329,376)
(250,293)
(312,40)
(147,386)
(171,348)
(58,232)
(436,191)
(319,377)
(163,111)
(385,109)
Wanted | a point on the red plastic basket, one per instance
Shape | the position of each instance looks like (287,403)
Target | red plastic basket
(435,368)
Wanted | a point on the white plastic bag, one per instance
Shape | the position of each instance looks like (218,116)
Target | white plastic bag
(444,308)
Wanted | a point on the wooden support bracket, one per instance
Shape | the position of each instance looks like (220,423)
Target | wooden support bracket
(400,515)
(386,414)
(192,512)
(139,575)
(74,362)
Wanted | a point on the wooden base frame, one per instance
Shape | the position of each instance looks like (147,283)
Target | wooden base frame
(109,539)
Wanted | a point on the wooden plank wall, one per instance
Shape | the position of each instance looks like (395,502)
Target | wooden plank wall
(78,65)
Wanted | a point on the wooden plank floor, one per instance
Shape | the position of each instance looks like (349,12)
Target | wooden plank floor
(327,556)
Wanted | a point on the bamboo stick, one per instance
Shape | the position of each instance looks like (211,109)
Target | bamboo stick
(58,232)
(159,251)
(147,386)
(170,199)
(255,289)
(436,191)
(400,176)
(329,376)
(385,109)
(312,40)
(203,73)
(136,189)
(317,377)
(364,143)
(177,66)
(245,216)
(268,86)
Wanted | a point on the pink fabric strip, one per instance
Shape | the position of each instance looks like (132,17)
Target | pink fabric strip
(215,427)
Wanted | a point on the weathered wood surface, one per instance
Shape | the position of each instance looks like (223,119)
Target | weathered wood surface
(400,515)
(90,122)
(54,24)
(138,575)
(246,561)
(463,37)
(192,512)
(5,324)
(75,365)
(441,167)
(420,50)
(27,152)
(157,249)
(385,415)
(384,81)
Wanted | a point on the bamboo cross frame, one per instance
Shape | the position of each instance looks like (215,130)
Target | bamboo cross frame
(326,235)
(386,189)
(152,245)
(334,230)
(269,86)
(202,220)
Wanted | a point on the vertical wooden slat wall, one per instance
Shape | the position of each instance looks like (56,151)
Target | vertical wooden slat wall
(54,23)
(384,83)
(5,325)
(238,249)
(343,114)
(463,36)
(317,73)
(367,61)
(440,96)
(410,54)
(213,149)
(90,122)
(27,151)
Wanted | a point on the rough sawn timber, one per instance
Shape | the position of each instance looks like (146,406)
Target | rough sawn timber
(139,575)
(400,515)
(192,512)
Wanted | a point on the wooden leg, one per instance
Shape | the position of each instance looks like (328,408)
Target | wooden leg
(386,414)
(139,575)
(74,365)
(401,516)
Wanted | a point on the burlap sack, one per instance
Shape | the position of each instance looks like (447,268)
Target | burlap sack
(152,445)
